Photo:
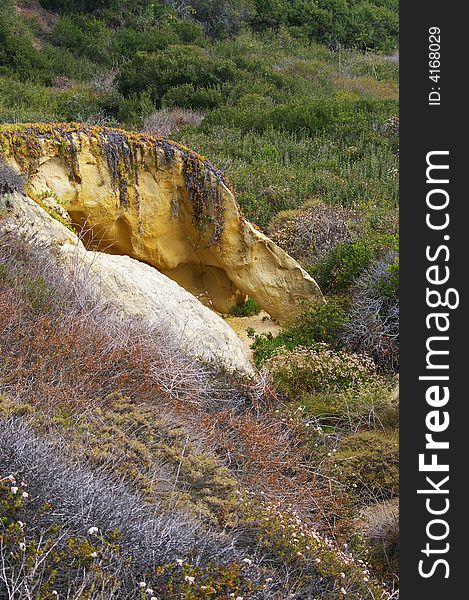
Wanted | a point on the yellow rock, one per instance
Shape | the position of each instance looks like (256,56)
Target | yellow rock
(162,204)
(131,290)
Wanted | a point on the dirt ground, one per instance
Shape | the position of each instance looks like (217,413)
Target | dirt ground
(261,323)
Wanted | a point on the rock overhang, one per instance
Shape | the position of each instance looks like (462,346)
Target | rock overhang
(161,203)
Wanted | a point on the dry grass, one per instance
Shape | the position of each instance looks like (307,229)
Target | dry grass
(169,121)
(118,398)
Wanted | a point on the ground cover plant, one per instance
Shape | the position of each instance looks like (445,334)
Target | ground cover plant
(263,483)
(79,393)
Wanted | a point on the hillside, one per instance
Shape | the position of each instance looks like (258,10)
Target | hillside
(171,173)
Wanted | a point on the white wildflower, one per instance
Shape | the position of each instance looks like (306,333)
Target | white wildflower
(14,489)
(190,580)
(142,585)
(93,530)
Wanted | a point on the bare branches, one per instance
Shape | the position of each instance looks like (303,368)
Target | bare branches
(373,326)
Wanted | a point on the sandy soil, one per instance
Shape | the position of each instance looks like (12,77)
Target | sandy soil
(261,323)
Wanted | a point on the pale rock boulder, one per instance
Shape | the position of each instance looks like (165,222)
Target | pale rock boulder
(164,205)
(132,289)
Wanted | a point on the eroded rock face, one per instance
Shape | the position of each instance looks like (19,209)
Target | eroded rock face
(130,288)
(164,205)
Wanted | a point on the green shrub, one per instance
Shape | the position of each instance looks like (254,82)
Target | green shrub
(339,270)
(361,24)
(85,37)
(248,309)
(17,52)
(265,345)
(188,96)
(10,180)
(319,369)
(175,66)
(3,279)
(369,463)
(370,405)
(319,323)
(41,296)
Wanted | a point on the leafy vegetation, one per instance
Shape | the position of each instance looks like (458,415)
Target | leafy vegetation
(248,309)
(286,117)
(95,459)
(297,102)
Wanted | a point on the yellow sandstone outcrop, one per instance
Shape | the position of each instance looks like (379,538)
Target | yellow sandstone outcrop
(130,289)
(162,204)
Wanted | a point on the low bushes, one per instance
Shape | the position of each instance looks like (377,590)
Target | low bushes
(57,512)
(325,570)
(368,406)
(318,369)
(156,73)
(248,309)
(342,266)
(309,234)
(92,398)
(373,325)
(319,323)
(368,462)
